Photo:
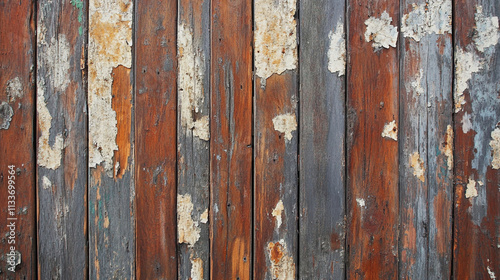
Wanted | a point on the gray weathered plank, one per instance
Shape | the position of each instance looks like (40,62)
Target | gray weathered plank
(322,136)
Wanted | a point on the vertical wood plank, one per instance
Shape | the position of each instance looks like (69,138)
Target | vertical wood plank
(477,140)
(111,190)
(193,50)
(156,139)
(62,139)
(426,187)
(231,141)
(373,77)
(322,135)
(17,81)
(276,177)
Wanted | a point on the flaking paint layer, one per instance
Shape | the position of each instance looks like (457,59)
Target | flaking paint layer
(447,147)
(14,89)
(188,230)
(285,123)
(418,166)
(471,190)
(487,30)
(337,50)
(495,148)
(6,113)
(390,130)
(196,269)
(466,63)
(432,17)
(282,265)
(277,211)
(381,32)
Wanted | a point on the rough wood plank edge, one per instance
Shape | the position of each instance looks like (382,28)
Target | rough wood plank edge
(17,79)
(62,140)
(322,139)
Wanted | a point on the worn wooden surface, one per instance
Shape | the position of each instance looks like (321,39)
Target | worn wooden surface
(62,139)
(477,213)
(322,127)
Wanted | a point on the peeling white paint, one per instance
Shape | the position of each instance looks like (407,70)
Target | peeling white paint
(286,123)
(491,273)
(361,202)
(390,130)
(277,211)
(432,17)
(495,148)
(487,30)
(6,113)
(416,84)
(56,58)
(471,190)
(282,265)
(196,269)
(188,230)
(337,50)
(466,63)
(275,37)
(447,147)
(14,89)
(418,166)
(46,183)
(201,128)
(110,41)
(204,217)
(466,123)
(381,32)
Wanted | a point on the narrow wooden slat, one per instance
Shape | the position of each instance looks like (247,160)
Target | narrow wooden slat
(231,144)
(62,140)
(17,158)
(111,186)
(193,200)
(426,187)
(477,140)
(322,126)
(372,119)
(276,177)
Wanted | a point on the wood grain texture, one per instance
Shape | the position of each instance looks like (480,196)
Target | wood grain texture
(231,141)
(477,207)
(372,160)
(322,136)
(193,48)
(17,69)
(426,187)
(156,139)
(62,140)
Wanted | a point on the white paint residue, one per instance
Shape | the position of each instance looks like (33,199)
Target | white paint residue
(6,113)
(196,269)
(487,30)
(286,123)
(432,17)
(418,166)
(471,190)
(188,230)
(337,50)
(282,265)
(447,147)
(466,123)
(466,63)
(390,130)
(275,37)
(204,217)
(416,84)
(361,202)
(110,41)
(46,183)
(277,213)
(201,128)
(495,148)
(57,60)
(14,89)
(381,32)
(491,273)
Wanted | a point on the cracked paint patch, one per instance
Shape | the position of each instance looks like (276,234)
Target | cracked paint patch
(495,148)
(6,113)
(110,41)
(418,166)
(471,190)
(188,230)
(282,265)
(390,130)
(196,269)
(487,30)
(361,202)
(432,17)
(466,63)
(447,147)
(337,50)
(201,128)
(381,32)
(14,89)
(286,123)
(275,37)
(277,211)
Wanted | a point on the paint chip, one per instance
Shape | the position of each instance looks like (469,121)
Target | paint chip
(432,17)
(286,123)
(196,269)
(466,123)
(416,84)
(361,202)
(487,30)
(447,147)
(471,190)
(495,148)
(418,166)
(277,211)
(390,130)
(201,128)
(14,89)
(188,230)
(46,183)
(204,217)
(55,58)
(491,273)
(275,37)
(6,113)
(466,63)
(381,32)
(282,265)
(337,50)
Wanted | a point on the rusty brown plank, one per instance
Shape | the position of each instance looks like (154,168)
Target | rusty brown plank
(17,155)
(372,154)
(477,140)
(275,242)
(231,141)
(62,139)
(111,134)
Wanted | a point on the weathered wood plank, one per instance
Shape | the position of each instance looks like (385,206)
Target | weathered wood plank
(156,139)
(275,239)
(477,140)
(322,136)
(193,49)
(62,139)
(426,186)
(372,117)
(17,156)
(231,141)
(111,194)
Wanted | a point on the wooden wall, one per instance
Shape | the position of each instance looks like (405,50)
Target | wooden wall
(288,139)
